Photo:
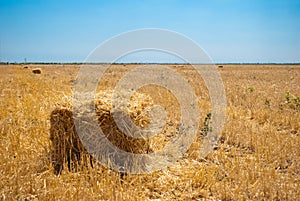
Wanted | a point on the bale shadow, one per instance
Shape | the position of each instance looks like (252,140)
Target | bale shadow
(66,147)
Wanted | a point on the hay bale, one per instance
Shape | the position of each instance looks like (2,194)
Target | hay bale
(66,147)
(139,108)
(37,71)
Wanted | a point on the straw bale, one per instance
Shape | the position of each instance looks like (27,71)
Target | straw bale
(37,71)
(67,147)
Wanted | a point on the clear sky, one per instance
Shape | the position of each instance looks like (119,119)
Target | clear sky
(228,30)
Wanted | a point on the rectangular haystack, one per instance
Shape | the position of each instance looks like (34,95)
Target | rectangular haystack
(66,147)
(36,71)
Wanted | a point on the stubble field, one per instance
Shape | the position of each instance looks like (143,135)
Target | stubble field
(257,157)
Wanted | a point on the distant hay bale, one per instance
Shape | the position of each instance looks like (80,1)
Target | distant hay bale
(37,71)
(67,148)
(221,66)
(25,67)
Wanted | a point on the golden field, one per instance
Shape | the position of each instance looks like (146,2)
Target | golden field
(257,157)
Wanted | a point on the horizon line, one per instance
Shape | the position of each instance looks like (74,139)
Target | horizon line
(164,63)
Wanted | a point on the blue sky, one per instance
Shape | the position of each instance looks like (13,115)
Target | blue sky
(228,30)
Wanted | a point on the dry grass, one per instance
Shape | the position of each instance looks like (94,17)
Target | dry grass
(257,157)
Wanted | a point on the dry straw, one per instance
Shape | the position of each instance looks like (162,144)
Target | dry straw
(67,148)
